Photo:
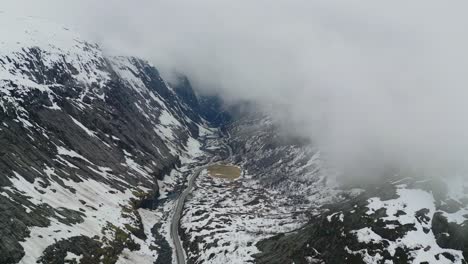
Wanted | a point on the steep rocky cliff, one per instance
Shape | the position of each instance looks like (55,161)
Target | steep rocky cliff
(84,140)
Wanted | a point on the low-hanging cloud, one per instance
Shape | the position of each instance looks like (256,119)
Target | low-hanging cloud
(372,83)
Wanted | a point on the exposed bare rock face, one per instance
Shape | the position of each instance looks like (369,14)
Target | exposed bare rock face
(84,139)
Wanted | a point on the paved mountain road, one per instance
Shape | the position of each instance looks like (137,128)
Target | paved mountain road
(180,252)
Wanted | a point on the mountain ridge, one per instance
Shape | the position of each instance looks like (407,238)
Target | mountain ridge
(77,126)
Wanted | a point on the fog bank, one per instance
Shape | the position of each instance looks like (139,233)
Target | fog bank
(373,84)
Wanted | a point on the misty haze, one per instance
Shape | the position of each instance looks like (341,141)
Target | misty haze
(318,131)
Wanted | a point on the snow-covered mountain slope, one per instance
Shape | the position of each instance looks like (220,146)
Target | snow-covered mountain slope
(84,139)
(283,182)
(401,221)
(288,207)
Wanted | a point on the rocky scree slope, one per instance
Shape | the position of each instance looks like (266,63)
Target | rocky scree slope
(84,140)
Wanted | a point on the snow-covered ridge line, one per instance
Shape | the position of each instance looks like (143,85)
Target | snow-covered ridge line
(53,45)
(87,140)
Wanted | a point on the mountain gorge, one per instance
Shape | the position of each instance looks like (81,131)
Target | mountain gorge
(96,149)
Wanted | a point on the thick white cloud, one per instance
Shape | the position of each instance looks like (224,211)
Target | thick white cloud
(373,83)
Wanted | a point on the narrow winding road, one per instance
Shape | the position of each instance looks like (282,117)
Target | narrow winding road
(180,252)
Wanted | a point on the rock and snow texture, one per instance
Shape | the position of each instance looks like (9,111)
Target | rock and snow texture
(224,219)
(287,208)
(415,208)
(281,184)
(95,149)
(86,140)
(404,221)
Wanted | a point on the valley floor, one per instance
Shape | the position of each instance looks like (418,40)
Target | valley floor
(224,218)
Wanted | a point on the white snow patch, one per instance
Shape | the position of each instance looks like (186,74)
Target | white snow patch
(131,164)
(106,201)
(366,235)
(70,153)
(194,147)
(84,128)
(423,245)
(72,256)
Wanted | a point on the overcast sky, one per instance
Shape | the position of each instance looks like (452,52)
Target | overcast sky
(373,83)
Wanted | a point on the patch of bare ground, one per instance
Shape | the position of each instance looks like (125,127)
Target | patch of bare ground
(224,171)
